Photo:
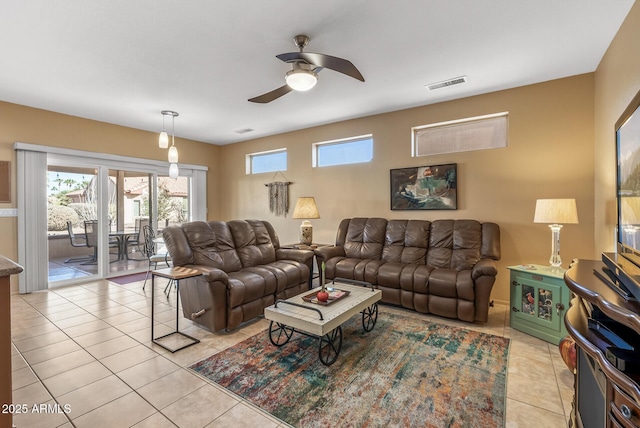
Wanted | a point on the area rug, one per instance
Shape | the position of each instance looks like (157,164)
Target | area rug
(405,372)
(127,279)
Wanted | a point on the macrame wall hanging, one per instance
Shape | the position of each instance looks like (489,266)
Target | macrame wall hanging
(279,196)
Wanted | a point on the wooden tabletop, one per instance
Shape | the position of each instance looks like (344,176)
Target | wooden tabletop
(177,273)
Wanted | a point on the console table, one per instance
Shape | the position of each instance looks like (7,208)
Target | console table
(604,396)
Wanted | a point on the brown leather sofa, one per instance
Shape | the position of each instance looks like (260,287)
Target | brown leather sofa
(244,270)
(444,267)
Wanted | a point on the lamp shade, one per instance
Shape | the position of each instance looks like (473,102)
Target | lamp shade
(173,170)
(173,154)
(163,141)
(556,211)
(306,208)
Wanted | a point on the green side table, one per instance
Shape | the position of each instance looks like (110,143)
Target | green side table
(539,300)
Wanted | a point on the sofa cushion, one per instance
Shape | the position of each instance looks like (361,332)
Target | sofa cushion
(248,285)
(253,242)
(286,273)
(224,246)
(410,277)
(455,244)
(365,238)
(178,246)
(406,241)
(202,241)
(358,269)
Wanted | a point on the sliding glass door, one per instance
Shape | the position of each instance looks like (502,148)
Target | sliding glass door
(71,206)
(83,217)
(130,211)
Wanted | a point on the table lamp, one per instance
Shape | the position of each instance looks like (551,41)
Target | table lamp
(305,209)
(556,211)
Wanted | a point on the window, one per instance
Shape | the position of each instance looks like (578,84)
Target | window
(344,151)
(475,133)
(271,161)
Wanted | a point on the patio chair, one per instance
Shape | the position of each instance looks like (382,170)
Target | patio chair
(153,256)
(139,240)
(91,236)
(78,242)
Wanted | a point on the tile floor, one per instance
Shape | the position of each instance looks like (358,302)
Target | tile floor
(87,349)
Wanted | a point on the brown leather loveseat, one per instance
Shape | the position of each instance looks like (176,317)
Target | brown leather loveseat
(244,270)
(444,267)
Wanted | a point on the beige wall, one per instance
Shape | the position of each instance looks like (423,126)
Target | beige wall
(560,145)
(29,125)
(550,155)
(616,83)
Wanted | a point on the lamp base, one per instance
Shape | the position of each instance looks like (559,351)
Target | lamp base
(306,233)
(555,260)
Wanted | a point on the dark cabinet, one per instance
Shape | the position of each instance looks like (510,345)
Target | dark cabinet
(606,388)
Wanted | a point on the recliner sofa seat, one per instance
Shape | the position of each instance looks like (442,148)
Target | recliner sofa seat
(443,267)
(244,270)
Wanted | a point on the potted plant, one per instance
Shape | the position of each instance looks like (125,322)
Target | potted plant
(322,295)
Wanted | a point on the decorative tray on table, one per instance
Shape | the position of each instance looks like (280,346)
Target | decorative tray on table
(334,296)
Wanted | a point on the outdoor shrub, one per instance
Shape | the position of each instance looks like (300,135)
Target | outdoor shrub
(85,212)
(58,216)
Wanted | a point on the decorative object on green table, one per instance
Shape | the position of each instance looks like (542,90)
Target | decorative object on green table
(405,372)
(322,295)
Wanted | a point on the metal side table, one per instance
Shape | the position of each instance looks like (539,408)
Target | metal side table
(176,274)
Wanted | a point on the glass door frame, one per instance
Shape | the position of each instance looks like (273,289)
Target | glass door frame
(31,191)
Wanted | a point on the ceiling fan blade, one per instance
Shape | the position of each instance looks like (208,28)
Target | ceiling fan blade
(273,95)
(327,61)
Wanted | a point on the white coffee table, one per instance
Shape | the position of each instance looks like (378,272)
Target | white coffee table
(323,321)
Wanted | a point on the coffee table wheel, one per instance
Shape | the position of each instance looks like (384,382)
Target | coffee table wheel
(370,317)
(329,346)
(279,334)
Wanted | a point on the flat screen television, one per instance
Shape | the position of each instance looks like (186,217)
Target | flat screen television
(625,264)
(628,181)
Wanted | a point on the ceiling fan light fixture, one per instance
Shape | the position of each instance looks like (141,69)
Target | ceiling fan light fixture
(301,79)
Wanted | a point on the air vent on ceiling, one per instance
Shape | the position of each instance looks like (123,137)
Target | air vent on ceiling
(446,83)
(244,131)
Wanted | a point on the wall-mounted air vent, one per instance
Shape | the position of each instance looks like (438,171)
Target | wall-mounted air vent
(244,131)
(446,83)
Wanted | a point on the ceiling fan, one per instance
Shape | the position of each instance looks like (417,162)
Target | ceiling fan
(305,68)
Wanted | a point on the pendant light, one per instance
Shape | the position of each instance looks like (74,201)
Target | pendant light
(164,143)
(173,170)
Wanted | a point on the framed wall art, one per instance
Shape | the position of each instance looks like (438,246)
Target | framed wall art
(432,187)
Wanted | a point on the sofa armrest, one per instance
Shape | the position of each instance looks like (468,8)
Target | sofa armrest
(302,256)
(325,253)
(212,274)
(485,267)
(483,275)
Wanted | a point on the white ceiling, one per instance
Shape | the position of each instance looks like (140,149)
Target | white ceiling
(123,61)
